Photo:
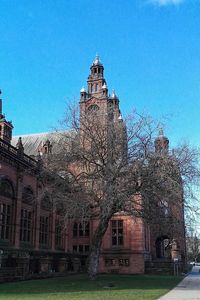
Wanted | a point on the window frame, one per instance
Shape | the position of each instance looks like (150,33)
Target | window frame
(117,233)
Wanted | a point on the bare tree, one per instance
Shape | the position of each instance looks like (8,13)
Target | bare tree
(193,245)
(112,166)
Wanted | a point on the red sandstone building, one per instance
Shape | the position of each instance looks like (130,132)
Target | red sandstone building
(32,238)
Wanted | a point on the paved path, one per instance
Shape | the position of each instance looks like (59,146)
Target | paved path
(187,289)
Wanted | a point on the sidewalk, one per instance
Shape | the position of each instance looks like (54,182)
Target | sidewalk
(187,289)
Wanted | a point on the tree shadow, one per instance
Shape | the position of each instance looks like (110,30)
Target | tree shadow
(81,283)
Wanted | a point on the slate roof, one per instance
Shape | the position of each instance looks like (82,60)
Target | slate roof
(33,142)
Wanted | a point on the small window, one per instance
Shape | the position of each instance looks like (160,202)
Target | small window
(75,248)
(117,232)
(124,262)
(80,248)
(87,248)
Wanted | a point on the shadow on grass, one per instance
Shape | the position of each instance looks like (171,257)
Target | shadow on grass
(81,283)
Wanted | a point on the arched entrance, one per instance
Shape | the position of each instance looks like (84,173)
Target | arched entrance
(163,247)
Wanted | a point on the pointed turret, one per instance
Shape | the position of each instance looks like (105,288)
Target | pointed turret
(6,127)
(20,147)
(83,94)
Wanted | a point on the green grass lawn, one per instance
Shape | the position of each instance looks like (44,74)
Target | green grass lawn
(79,287)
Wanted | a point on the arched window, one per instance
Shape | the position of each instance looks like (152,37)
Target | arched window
(163,247)
(75,230)
(46,203)
(28,195)
(6,188)
(92,88)
(93,108)
(84,229)
(81,229)
(164,208)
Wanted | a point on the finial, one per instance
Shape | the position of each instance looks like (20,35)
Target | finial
(113,95)
(20,147)
(161,133)
(19,143)
(83,90)
(96,60)
(104,86)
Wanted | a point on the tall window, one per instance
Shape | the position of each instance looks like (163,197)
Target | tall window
(84,229)
(5,221)
(75,229)
(44,230)
(117,232)
(81,229)
(164,208)
(92,88)
(59,240)
(25,225)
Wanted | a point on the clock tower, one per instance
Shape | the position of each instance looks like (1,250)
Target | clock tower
(96,98)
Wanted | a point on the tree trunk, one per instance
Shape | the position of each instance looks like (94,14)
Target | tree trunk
(96,246)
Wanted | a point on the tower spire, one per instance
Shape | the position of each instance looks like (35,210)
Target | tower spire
(5,126)
(97,60)
(96,78)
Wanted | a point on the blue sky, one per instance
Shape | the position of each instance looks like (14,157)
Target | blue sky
(150,50)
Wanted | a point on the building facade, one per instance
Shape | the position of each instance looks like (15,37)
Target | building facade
(33,239)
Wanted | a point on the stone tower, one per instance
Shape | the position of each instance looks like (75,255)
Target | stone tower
(96,97)
(161,143)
